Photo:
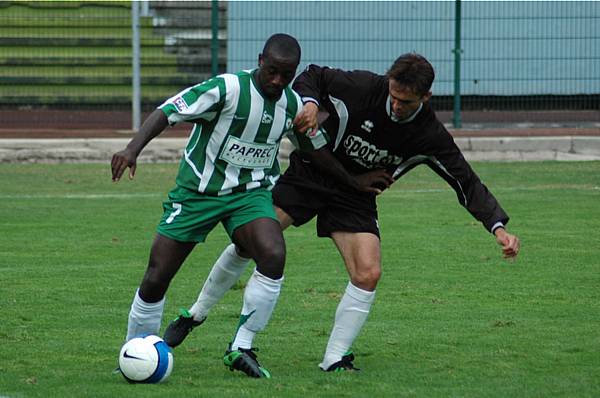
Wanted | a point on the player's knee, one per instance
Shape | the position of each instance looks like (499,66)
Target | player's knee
(272,253)
(152,289)
(241,252)
(367,277)
(271,261)
(154,284)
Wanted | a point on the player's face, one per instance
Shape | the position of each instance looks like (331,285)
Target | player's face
(404,102)
(274,75)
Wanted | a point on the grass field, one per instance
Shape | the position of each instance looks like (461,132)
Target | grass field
(451,319)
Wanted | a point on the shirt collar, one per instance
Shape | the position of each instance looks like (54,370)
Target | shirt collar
(388,108)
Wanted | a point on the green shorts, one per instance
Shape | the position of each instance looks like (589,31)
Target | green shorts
(189,216)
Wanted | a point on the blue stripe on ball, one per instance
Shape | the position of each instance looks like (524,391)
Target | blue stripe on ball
(163,362)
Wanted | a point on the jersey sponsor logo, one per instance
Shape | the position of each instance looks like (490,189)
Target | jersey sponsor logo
(249,155)
(180,104)
(367,126)
(367,154)
(266,118)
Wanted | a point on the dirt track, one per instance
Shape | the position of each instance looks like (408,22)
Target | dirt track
(105,124)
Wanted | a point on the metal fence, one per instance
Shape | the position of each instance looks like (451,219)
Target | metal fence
(69,64)
(514,56)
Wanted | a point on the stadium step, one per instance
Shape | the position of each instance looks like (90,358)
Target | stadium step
(100,79)
(50,42)
(79,52)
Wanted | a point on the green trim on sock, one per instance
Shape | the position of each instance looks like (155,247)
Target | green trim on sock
(243,320)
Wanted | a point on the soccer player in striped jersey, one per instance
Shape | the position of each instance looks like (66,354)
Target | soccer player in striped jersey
(380,126)
(227,170)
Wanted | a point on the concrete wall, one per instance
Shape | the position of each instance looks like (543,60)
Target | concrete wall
(78,150)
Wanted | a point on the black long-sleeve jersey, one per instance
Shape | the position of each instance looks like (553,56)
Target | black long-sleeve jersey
(364,136)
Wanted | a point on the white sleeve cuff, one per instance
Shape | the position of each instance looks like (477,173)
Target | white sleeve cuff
(309,99)
(496,226)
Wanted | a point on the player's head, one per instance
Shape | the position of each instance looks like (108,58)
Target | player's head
(410,79)
(277,64)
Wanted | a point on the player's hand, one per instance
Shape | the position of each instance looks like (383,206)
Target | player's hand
(374,181)
(121,161)
(306,121)
(510,243)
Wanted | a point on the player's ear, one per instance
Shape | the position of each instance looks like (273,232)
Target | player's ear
(260,60)
(426,97)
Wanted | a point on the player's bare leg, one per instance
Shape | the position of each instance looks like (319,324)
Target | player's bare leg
(362,255)
(224,274)
(263,240)
(166,257)
(284,219)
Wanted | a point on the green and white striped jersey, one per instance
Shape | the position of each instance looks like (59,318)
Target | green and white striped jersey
(235,138)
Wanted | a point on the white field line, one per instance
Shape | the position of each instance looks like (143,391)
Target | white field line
(505,189)
(395,192)
(87,196)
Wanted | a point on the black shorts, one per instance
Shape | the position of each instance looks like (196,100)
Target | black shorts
(303,193)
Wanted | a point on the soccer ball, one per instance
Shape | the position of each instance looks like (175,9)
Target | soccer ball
(146,359)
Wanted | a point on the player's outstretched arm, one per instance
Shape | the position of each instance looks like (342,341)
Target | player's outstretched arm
(153,126)
(510,243)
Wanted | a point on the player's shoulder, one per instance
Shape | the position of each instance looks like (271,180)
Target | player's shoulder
(229,76)
(228,82)
(292,93)
(210,82)
(431,127)
(428,116)
(361,82)
(364,74)
(356,75)
(293,98)
(244,74)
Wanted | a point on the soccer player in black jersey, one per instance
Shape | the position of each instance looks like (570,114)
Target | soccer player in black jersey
(380,128)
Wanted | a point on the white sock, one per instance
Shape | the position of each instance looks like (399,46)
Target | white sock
(223,275)
(350,317)
(144,318)
(260,297)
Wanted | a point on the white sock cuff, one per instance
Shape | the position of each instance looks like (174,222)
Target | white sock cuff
(144,306)
(268,283)
(359,294)
(235,258)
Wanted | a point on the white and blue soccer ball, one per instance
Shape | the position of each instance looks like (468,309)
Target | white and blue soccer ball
(146,359)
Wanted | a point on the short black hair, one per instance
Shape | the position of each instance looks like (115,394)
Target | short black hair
(282,46)
(413,71)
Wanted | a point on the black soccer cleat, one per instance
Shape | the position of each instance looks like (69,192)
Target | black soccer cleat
(245,361)
(345,364)
(180,327)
